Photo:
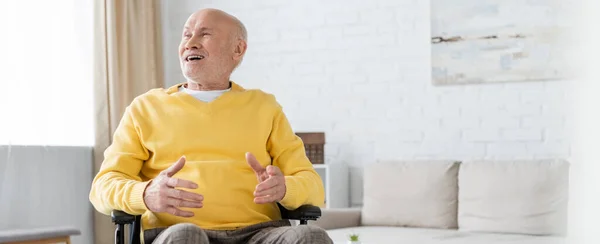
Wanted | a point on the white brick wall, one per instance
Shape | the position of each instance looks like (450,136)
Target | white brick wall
(359,70)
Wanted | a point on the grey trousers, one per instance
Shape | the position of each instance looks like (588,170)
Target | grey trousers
(269,232)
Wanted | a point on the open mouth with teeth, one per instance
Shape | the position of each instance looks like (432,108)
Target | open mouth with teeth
(194,58)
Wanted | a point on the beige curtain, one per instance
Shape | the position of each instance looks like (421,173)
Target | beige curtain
(127,63)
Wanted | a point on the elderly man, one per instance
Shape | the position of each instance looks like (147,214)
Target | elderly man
(207,161)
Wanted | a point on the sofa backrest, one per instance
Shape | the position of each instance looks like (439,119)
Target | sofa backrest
(518,196)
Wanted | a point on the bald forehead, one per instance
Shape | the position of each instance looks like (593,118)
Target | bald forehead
(215,19)
(210,14)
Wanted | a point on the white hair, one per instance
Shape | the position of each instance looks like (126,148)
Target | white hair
(241,33)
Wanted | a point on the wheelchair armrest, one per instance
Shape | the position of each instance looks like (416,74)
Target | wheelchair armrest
(304,212)
(120,217)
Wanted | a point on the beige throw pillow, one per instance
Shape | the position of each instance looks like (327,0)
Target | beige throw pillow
(525,197)
(410,194)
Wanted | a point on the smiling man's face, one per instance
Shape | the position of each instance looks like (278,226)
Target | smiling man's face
(209,48)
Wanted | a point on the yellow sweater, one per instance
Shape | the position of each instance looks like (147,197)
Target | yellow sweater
(162,125)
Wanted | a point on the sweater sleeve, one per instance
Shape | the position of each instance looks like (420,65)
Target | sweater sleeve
(117,185)
(304,185)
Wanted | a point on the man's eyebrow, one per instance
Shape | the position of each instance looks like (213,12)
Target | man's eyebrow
(186,28)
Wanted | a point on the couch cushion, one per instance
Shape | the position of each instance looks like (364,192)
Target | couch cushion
(528,197)
(410,193)
(395,235)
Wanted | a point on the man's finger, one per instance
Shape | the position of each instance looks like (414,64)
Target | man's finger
(267,199)
(181,194)
(176,167)
(175,202)
(273,170)
(267,184)
(254,164)
(262,177)
(178,212)
(175,182)
(266,192)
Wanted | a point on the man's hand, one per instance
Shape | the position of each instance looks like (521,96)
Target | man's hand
(271,182)
(161,195)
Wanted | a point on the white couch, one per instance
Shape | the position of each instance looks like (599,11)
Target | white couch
(470,202)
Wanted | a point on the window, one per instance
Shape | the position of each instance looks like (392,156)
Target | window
(46,78)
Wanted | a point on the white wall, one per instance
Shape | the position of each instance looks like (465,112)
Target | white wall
(360,71)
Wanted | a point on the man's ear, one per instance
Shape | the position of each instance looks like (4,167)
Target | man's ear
(239,50)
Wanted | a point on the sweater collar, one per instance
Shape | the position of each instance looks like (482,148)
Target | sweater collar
(175,88)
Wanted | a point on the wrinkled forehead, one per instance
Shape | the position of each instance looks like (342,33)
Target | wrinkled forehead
(208,20)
